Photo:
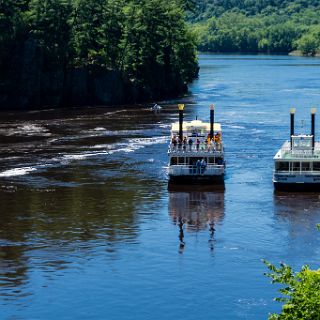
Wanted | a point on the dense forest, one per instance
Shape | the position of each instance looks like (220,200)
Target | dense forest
(75,52)
(262,26)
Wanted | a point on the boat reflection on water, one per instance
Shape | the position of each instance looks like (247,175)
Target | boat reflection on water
(300,213)
(300,209)
(196,208)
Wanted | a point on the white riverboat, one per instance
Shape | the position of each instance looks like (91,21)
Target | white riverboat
(297,163)
(196,151)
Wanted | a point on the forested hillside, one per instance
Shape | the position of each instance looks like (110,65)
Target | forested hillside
(262,26)
(75,52)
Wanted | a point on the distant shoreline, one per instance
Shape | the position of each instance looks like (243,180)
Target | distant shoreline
(295,53)
(298,53)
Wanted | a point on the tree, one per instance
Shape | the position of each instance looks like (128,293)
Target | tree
(49,26)
(158,51)
(301,292)
(88,33)
(13,30)
(308,44)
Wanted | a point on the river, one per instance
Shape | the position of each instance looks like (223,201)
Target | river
(89,230)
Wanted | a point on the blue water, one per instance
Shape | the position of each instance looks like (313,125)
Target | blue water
(89,230)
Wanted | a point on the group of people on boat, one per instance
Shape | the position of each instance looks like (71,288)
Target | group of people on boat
(201,165)
(209,143)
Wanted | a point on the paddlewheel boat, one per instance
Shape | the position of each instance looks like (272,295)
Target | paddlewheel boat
(297,163)
(196,152)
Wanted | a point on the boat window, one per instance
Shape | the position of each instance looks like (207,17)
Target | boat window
(302,142)
(305,166)
(295,166)
(282,166)
(211,160)
(180,160)
(173,161)
(316,166)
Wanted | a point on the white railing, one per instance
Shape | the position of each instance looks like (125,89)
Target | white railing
(185,170)
(202,147)
(298,172)
(303,154)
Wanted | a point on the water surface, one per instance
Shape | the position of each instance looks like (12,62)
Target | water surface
(89,230)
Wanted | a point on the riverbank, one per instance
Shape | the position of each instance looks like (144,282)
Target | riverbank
(29,82)
(32,88)
(298,53)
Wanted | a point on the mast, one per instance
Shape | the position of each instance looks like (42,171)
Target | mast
(211,121)
(292,112)
(313,116)
(181,107)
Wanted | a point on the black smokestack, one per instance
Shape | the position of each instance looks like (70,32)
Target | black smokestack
(181,107)
(292,111)
(211,120)
(313,123)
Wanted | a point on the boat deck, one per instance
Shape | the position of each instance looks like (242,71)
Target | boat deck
(193,151)
(285,153)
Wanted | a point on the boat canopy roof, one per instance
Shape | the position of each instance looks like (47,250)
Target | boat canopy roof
(195,126)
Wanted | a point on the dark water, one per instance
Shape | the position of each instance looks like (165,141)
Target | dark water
(88,229)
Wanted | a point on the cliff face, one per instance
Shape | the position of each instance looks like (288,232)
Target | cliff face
(28,82)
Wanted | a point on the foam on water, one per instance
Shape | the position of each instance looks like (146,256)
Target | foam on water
(25,130)
(17,172)
(83,156)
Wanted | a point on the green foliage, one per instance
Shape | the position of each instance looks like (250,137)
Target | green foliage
(12,26)
(309,43)
(269,26)
(300,294)
(147,41)
(49,25)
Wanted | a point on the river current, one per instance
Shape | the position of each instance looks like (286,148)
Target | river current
(89,230)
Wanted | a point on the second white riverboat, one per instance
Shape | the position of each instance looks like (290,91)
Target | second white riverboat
(196,151)
(297,163)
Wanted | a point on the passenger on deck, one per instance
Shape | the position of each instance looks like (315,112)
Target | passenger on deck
(179,143)
(217,137)
(212,145)
(184,143)
(174,141)
(198,144)
(198,165)
(203,165)
(190,142)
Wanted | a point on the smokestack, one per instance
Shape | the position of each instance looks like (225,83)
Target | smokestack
(292,111)
(313,116)
(211,120)
(181,107)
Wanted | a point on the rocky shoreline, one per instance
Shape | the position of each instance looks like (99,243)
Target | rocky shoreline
(298,53)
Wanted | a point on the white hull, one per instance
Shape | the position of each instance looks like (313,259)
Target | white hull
(296,177)
(182,170)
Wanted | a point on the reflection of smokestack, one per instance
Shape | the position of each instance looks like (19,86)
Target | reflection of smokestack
(292,111)
(313,116)
(211,120)
(181,107)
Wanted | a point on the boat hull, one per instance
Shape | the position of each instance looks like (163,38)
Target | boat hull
(197,179)
(305,182)
(297,187)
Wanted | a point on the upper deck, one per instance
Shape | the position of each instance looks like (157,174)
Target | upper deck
(301,149)
(196,139)
(194,128)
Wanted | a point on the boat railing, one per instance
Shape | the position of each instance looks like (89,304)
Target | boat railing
(202,147)
(297,172)
(196,170)
(287,152)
